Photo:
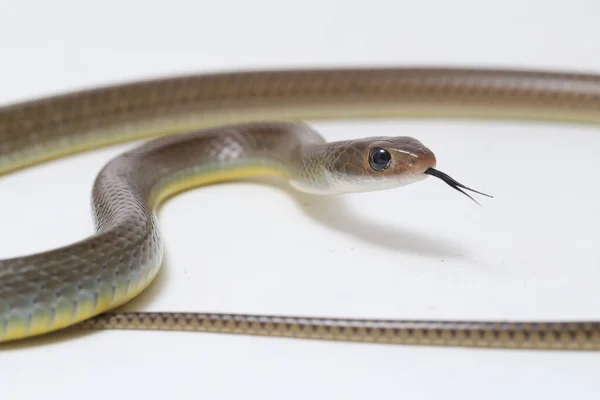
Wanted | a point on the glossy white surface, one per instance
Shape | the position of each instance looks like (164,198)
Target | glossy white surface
(423,251)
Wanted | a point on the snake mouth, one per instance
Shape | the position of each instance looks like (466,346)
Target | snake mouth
(453,183)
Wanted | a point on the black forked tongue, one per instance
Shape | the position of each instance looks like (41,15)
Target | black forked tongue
(453,183)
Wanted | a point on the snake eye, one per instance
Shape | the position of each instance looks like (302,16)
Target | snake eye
(379,159)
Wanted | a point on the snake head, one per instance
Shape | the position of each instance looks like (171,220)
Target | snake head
(383,163)
(368,164)
(377,163)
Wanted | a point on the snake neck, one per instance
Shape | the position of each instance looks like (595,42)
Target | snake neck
(147,176)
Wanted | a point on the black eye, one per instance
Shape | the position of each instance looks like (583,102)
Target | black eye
(379,159)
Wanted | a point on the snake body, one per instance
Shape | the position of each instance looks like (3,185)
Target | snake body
(76,285)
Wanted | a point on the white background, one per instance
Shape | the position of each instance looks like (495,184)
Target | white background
(423,251)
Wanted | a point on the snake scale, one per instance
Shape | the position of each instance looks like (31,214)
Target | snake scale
(215,127)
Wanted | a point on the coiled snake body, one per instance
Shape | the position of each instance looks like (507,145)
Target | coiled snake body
(78,284)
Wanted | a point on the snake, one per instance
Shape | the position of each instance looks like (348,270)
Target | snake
(205,128)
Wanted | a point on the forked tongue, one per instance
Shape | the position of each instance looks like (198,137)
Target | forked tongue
(454,184)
